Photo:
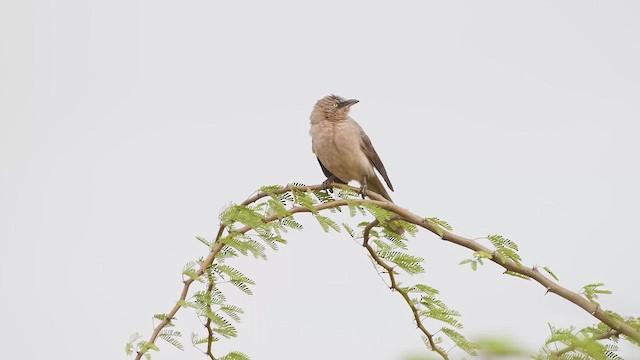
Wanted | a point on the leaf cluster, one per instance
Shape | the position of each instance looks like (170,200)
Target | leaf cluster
(583,344)
(428,306)
(505,249)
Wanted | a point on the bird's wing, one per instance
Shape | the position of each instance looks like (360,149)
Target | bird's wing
(328,173)
(373,157)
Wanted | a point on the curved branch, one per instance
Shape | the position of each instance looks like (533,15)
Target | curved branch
(617,326)
(185,291)
(592,308)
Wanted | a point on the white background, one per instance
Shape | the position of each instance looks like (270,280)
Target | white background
(126,126)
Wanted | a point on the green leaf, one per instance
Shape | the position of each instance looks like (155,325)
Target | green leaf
(162,317)
(242,286)
(278,209)
(410,228)
(227,330)
(501,348)
(327,223)
(462,342)
(270,189)
(477,259)
(379,213)
(579,345)
(409,263)
(304,199)
(425,289)
(129,348)
(243,214)
(591,291)
(323,196)
(232,311)
(169,336)
(441,223)
(204,241)
(445,315)
(550,273)
(349,230)
(518,275)
(246,245)
(235,277)
(235,355)
(499,241)
(232,273)
(348,194)
(198,340)
(397,242)
(227,252)
(291,223)
(505,249)
(192,274)
(144,346)
(354,207)
(216,318)
(186,304)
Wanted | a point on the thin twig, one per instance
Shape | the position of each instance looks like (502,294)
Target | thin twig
(209,329)
(394,286)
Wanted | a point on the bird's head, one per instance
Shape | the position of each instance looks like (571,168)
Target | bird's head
(334,107)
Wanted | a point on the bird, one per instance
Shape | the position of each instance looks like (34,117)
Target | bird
(343,149)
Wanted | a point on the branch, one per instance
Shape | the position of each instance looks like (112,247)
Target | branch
(185,291)
(618,326)
(394,286)
(207,325)
(592,308)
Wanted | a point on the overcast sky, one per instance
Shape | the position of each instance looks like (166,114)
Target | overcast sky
(127,126)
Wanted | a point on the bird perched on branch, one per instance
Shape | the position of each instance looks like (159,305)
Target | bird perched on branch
(343,149)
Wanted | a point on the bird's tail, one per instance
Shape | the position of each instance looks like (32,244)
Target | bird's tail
(374,184)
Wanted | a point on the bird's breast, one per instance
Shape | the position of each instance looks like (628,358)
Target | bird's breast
(338,146)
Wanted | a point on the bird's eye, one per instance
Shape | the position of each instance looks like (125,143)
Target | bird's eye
(335,105)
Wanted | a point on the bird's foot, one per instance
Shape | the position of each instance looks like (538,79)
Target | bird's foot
(326,184)
(363,190)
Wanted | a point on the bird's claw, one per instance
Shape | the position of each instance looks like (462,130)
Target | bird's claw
(363,190)
(326,183)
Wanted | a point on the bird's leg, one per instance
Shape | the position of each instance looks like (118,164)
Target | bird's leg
(326,183)
(363,187)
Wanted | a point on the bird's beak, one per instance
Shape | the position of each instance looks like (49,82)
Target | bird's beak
(349,102)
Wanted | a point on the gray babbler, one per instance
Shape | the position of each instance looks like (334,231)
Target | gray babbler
(343,149)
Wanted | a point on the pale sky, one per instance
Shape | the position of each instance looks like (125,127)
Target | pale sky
(127,126)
